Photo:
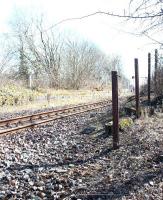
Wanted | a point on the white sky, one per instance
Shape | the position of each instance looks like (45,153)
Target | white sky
(107,32)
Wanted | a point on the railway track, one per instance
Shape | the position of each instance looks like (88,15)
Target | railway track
(29,121)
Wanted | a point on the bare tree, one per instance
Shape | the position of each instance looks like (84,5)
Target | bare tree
(81,62)
(149,17)
(44,54)
(38,52)
(5,58)
(55,62)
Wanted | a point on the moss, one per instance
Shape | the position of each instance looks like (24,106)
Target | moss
(125,122)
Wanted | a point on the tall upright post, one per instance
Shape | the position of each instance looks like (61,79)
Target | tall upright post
(155,74)
(137,88)
(149,79)
(115,110)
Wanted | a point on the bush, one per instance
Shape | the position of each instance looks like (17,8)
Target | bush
(16,95)
(125,122)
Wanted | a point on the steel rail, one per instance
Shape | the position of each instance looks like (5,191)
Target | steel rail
(57,114)
(37,115)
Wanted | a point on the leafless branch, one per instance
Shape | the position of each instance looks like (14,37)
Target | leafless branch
(158,14)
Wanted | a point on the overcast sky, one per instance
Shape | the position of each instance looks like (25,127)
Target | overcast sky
(109,33)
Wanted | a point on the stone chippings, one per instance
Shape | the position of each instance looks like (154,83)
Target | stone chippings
(59,161)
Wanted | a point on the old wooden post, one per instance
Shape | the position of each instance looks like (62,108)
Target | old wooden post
(115,110)
(149,79)
(137,88)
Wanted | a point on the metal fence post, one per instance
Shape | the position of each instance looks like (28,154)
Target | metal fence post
(155,73)
(137,88)
(115,110)
(149,79)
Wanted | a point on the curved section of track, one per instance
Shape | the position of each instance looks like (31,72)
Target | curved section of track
(28,121)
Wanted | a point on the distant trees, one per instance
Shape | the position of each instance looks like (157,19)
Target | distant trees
(81,63)
(38,53)
(44,56)
(52,60)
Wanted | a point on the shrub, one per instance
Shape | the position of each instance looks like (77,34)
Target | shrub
(16,95)
(125,122)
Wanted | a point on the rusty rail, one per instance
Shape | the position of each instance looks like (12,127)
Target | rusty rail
(28,121)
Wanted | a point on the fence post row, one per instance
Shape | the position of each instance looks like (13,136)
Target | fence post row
(115,110)
(137,88)
(149,79)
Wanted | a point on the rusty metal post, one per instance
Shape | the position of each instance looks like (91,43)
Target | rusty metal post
(155,73)
(137,88)
(115,110)
(149,79)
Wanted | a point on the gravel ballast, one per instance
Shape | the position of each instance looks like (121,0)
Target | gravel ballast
(60,161)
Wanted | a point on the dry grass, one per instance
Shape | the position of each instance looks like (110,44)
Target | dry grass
(60,98)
